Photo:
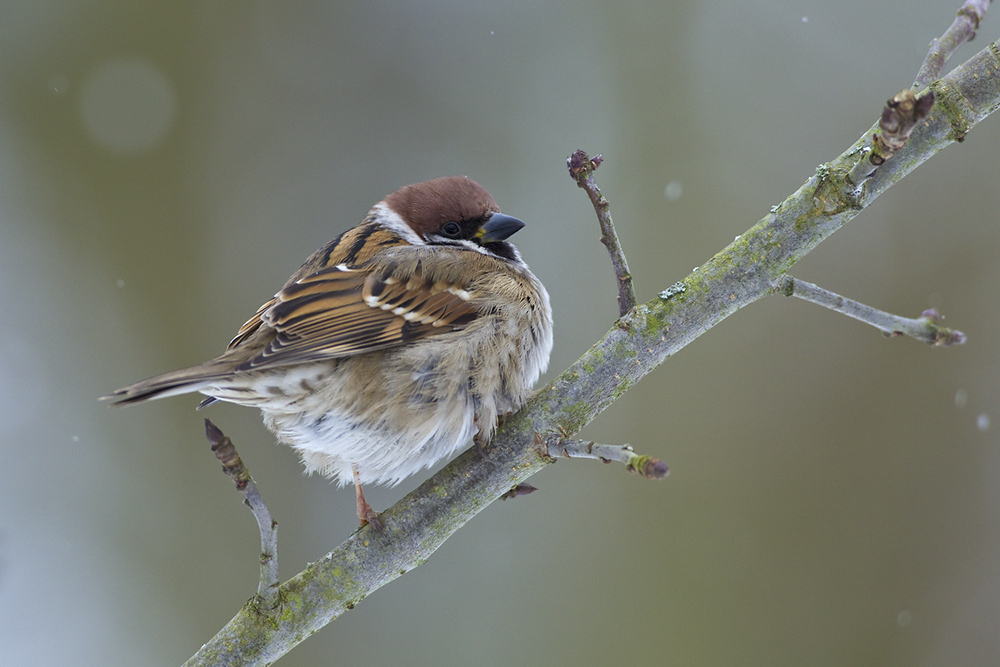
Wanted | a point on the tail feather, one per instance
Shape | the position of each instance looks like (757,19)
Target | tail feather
(183,381)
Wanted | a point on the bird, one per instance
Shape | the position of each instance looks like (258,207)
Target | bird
(393,345)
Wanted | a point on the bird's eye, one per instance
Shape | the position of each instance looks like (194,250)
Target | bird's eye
(451,229)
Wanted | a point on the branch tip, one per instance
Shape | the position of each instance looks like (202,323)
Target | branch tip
(581,165)
(648,467)
(940,336)
(213,433)
(227,455)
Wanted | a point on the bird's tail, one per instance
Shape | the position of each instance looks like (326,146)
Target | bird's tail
(183,381)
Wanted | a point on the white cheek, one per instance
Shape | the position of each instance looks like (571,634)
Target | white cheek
(389,219)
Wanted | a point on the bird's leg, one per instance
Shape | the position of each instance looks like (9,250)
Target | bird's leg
(478,442)
(365,512)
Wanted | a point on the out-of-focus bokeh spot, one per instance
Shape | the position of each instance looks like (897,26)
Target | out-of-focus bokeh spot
(127,105)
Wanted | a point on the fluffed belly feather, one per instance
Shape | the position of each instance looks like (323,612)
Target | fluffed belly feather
(441,390)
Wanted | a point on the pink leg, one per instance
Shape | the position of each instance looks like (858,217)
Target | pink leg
(365,512)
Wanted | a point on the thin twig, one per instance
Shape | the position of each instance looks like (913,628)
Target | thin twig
(232,465)
(557,446)
(581,169)
(924,328)
(647,466)
(962,30)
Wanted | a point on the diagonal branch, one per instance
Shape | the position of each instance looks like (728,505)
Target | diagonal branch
(748,269)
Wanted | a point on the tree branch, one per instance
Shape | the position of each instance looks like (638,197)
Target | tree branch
(647,466)
(925,328)
(962,30)
(748,269)
(232,465)
(581,169)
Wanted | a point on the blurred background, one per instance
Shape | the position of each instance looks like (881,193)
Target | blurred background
(833,497)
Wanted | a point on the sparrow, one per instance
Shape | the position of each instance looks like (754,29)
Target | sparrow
(392,345)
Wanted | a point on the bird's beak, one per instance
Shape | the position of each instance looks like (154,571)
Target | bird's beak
(499,227)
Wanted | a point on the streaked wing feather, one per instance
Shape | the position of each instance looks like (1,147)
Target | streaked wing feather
(340,312)
(250,326)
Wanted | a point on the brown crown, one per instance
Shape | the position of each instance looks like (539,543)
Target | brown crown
(428,205)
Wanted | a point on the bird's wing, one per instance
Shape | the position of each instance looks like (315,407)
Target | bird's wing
(340,311)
